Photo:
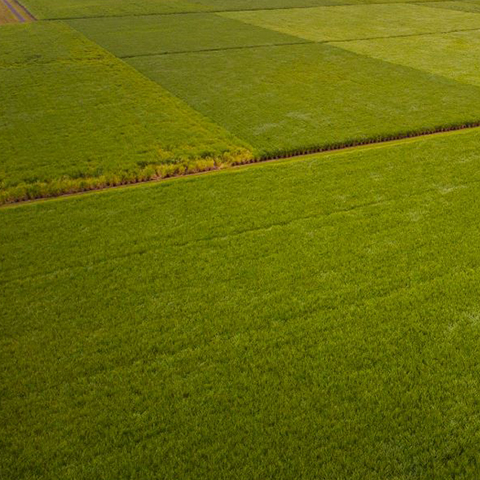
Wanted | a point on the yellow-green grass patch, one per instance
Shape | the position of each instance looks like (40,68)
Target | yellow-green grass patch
(461,6)
(453,55)
(359,21)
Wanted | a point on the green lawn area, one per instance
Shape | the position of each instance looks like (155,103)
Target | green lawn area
(453,55)
(299,97)
(297,320)
(153,34)
(361,21)
(72,116)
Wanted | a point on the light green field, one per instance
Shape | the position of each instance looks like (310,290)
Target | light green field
(74,117)
(63,9)
(299,97)
(453,55)
(462,6)
(129,36)
(312,319)
(361,21)
(58,9)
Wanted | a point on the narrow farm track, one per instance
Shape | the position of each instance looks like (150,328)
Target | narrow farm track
(361,146)
(18,11)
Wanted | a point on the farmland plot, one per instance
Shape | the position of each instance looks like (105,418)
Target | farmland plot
(453,55)
(63,9)
(74,117)
(323,311)
(295,98)
(147,35)
(361,21)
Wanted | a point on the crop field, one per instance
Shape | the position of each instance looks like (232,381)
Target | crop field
(322,311)
(284,282)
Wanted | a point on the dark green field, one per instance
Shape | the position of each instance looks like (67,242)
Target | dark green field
(311,317)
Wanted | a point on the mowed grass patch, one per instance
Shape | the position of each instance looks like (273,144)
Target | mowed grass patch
(292,99)
(359,21)
(62,9)
(453,55)
(323,312)
(73,117)
(130,36)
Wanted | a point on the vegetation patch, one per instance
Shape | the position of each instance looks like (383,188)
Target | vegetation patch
(323,311)
(293,99)
(453,55)
(361,21)
(73,118)
(147,35)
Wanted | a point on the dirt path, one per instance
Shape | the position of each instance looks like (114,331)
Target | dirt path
(288,158)
(12,12)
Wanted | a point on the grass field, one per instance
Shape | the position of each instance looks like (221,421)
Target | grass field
(308,318)
(360,22)
(63,9)
(148,35)
(299,97)
(80,119)
(453,55)
(311,319)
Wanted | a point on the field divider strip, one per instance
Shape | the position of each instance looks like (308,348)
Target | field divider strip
(219,49)
(203,12)
(290,44)
(296,155)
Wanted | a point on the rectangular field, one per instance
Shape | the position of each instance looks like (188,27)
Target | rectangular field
(154,34)
(72,117)
(295,98)
(453,55)
(322,311)
(359,22)
(65,9)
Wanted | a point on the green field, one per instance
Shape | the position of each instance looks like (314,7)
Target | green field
(296,97)
(453,55)
(315,317)
(361,21)
(157,34)
(311,319)
(82,118)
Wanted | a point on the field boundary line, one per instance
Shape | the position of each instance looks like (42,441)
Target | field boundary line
(360,145)
(203,12)
(292,44)
(24,9)
(219,49)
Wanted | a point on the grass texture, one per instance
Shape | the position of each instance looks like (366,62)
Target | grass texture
(311,319)
(298,98)
(73,117)
(63,9)
(463,6)
(361,21)
(453,55)
(130,36)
